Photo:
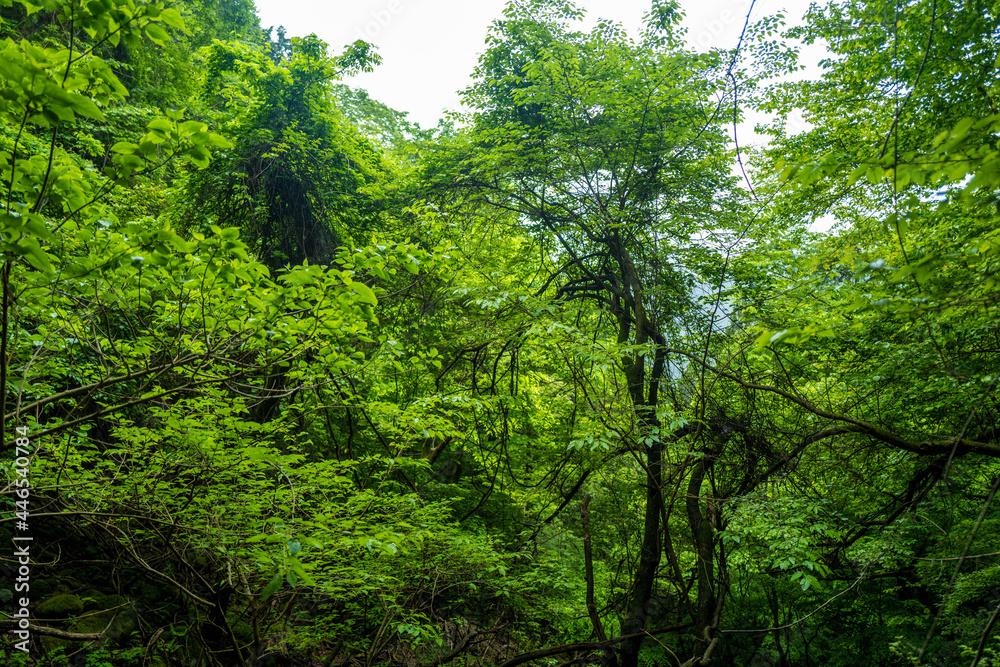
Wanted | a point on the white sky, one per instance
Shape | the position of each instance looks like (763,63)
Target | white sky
(430,47)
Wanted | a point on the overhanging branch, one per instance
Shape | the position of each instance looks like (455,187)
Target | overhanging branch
(853,425)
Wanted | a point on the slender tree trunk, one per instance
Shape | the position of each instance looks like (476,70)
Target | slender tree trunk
(644,392)
(649,559)
(703,533)
(772,599)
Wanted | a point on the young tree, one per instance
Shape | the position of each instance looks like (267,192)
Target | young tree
(608,154)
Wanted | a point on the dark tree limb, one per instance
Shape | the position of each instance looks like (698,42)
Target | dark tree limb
(54,632)
(588,646)
(588,564)
(461,646)
(854,425)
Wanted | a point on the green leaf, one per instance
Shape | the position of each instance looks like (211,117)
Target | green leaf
(172,18)
(160,124)
(32,251)
(962,127)
(125,147)
(365,293)
(156,34)
(273,586)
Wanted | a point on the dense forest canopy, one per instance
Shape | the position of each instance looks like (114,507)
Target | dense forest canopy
(288,380)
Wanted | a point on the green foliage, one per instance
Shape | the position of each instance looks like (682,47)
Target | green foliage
(784,534)
(298,182)
(301,378)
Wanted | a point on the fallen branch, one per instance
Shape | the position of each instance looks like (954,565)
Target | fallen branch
(54,632)
(588,646)
(461,646)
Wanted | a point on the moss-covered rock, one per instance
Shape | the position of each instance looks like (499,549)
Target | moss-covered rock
(60,606)
(43,588)
(117,626)
(92,623)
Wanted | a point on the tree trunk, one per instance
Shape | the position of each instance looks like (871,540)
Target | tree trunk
(703,533)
